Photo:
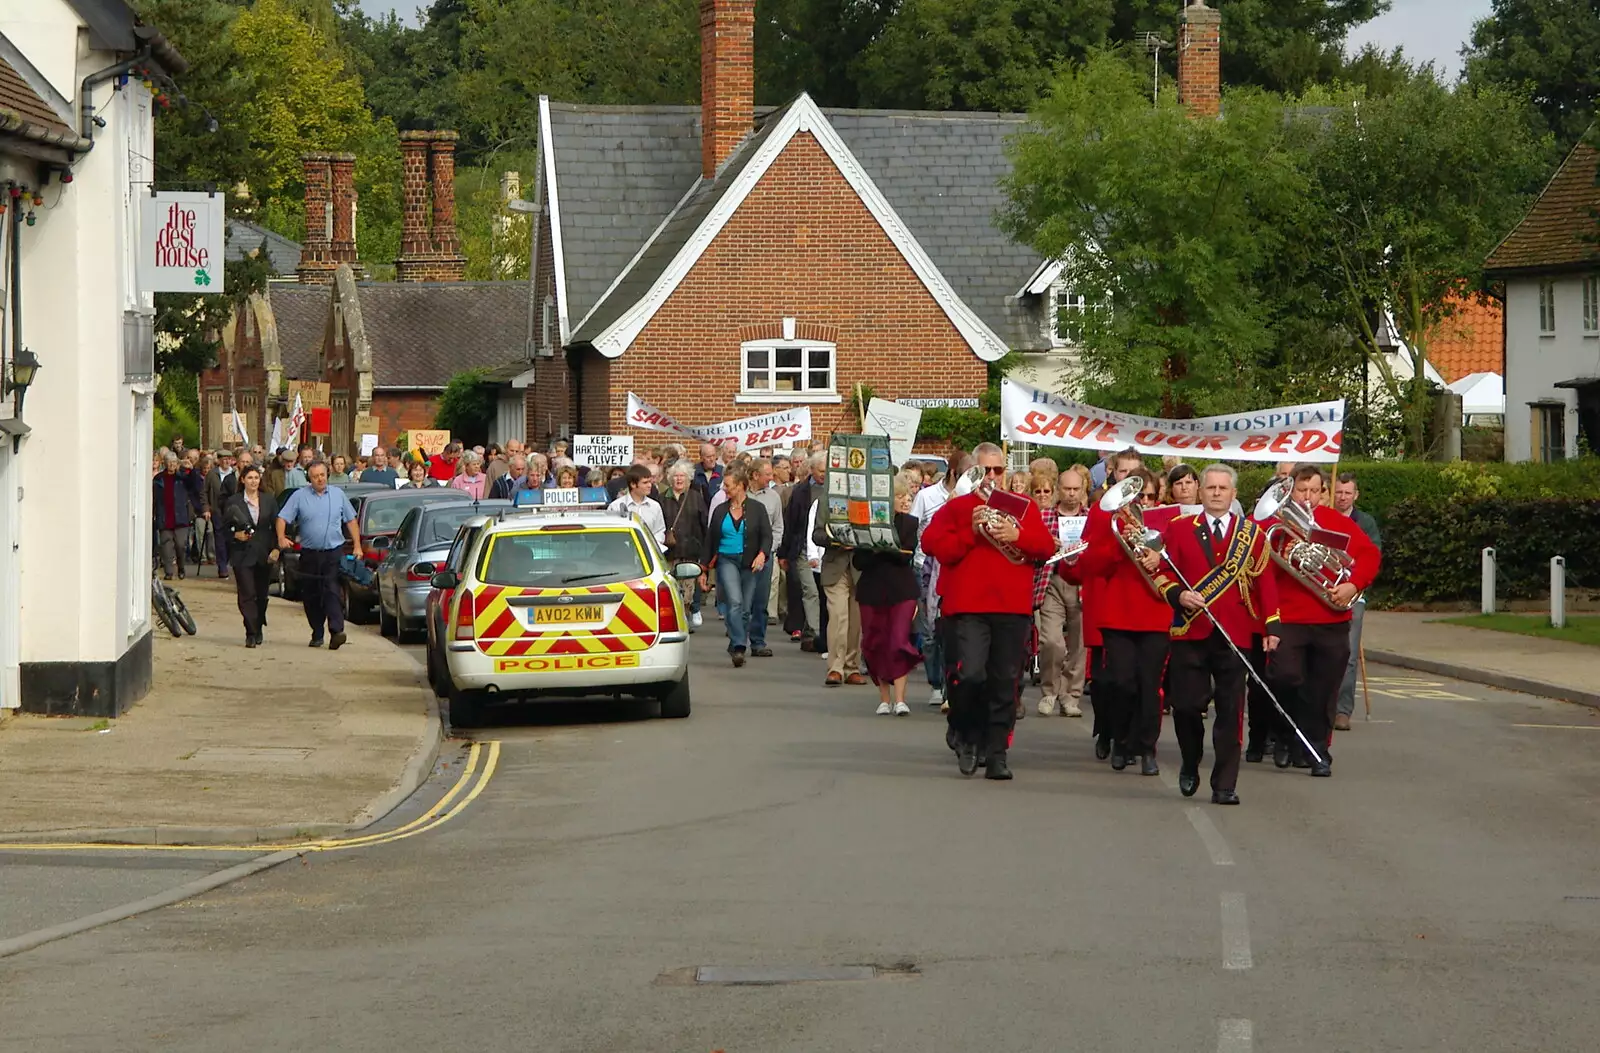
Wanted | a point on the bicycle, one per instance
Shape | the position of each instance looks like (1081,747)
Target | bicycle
(170,608)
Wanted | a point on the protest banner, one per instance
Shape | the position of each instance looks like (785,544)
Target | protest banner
(313,394)
(782,428)
(430,441)
(899,422)
(860,484)
(602,451)
(1308,433)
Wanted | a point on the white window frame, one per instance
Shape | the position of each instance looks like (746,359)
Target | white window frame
(547,325)
(1547,308)
(771,348)
(1591,304)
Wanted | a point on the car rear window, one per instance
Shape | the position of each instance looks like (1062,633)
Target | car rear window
(550,559)
(439,527)
(383,517)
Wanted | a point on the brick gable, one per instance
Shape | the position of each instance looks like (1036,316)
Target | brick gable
(802,246)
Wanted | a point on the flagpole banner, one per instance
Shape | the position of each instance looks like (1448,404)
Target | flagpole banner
(781,428)
(1310,433)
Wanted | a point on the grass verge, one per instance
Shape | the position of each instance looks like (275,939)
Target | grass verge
(1582,629)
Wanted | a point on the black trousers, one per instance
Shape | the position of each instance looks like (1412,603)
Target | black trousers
(1307,670)
(251,583)
(319,589)
(1134,664)
(1099,696)
(1265,720)
(1206,671)
(983,665)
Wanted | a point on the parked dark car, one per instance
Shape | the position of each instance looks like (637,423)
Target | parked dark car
(420,548)
(288,572)
(379,516)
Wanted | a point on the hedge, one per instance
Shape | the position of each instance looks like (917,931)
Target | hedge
(1432,547)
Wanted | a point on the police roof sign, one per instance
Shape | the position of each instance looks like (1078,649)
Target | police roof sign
(181,235)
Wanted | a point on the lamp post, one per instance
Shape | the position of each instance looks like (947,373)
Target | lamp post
(24,364)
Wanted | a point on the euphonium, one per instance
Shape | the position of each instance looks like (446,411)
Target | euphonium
(1301,547)
(1127,524)
(975,480)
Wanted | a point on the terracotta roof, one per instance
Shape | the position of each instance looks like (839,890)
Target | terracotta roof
(1470,341)
(16,97)
(1561,230)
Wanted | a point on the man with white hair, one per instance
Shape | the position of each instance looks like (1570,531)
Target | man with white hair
(1220,563)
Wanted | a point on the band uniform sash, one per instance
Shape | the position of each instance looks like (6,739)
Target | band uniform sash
(1234,570)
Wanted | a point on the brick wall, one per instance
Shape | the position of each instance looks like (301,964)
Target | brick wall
(243,371)
(402,411)
(801,246)
(1200,59)
(547,401)
(727,78)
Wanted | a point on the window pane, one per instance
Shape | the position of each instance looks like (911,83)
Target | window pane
(817,380)
(788,358)
(758,380)
(547,560)
(820,358)
(788,380)
(756,358)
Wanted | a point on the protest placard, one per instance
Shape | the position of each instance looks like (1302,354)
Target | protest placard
(602,451)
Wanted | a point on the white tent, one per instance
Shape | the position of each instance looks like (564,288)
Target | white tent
(1482,394)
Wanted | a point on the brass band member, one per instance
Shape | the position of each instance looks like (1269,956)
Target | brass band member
(1133,621)
(1315,631)
(986,603)
(1225,558)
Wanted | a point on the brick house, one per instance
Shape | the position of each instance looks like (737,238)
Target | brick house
(723,262)
(384,348)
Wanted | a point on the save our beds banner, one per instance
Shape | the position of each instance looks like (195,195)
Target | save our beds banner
(1309,433)
(782,428)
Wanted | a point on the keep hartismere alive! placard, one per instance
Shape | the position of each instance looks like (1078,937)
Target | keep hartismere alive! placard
(861,491)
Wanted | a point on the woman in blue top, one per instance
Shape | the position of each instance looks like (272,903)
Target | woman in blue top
(738,544)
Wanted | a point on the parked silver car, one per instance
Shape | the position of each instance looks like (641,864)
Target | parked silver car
(419,547)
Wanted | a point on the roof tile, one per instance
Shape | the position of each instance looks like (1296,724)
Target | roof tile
(1562,229)
(1469,341)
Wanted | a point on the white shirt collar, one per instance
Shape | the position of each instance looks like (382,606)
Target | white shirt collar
(1223,521)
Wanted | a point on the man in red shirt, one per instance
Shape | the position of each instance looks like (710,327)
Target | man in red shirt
(443,467)
(986,606)
(1224,558)
(1134,621)
(1314,633)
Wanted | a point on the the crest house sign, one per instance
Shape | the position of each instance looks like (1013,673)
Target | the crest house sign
(181,237)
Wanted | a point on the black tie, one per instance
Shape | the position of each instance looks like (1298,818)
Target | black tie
(1217,533)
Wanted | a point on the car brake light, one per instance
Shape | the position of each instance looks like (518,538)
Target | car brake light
(465,617)
(419,572)
(666,610)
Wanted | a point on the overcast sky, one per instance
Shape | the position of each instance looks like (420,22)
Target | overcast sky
(1429,30)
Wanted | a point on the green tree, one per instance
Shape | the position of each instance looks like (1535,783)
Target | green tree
(1170,226)
(466,408)
(189,327)
(814,45)
(1548,47)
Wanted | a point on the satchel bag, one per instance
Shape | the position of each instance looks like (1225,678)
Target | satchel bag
(672,531)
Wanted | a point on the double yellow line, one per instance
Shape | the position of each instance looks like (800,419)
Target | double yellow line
(474,778)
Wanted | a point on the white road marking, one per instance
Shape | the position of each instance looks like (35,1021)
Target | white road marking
(1235,932)
(1234,1036)
(1564,727)
(1211,837)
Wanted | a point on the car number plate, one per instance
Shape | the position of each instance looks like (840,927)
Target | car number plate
(564,615)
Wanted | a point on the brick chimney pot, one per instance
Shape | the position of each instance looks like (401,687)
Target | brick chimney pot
(316,256)
(1200,59)
(727,79)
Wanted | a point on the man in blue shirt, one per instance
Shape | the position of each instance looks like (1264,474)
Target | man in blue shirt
(379,472)
(324,516)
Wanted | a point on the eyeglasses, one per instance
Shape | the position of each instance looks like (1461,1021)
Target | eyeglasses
(1149,497)
(997,470)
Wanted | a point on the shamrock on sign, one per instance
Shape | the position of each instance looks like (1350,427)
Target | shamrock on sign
(201,277)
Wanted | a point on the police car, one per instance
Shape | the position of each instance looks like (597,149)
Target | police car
(556,598)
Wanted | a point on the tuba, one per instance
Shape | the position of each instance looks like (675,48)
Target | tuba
(1121,500)
(975,480)
(1313,556)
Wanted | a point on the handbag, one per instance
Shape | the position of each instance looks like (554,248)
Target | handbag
(672,531)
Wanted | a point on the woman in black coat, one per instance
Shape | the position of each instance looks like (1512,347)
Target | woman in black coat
(887,596)
(738,544)
(253,550)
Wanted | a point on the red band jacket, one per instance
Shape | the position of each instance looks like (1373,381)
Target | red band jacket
(1298,604)
(1235,578)
(974,576)
(1123,598)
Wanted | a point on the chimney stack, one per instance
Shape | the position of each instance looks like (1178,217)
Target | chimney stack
(727,79)
(342,242)
(1200,59)
(316,256)
(430,248)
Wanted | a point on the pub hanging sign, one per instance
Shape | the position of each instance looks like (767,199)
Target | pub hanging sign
(181,235)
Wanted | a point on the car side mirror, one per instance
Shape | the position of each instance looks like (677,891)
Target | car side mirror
(686,571)
(445,579)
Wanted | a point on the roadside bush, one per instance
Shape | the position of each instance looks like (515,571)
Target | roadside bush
(1432,546)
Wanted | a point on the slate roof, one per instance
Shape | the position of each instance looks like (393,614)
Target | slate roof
(1561,230)
(1470,341)
(245,237)
(301,313)
(620,171)
(423,333)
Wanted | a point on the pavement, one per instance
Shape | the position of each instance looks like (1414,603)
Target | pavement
(231,745)
(1438,893)
(1530,664)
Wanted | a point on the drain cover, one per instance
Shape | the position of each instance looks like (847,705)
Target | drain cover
(782,974)
(270,754)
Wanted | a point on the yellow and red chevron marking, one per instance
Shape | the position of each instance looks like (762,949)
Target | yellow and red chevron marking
(501,631)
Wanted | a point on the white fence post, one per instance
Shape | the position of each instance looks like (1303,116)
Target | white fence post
(1488,581)
(1558,591)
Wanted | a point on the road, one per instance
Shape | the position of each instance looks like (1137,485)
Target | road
(1441,892)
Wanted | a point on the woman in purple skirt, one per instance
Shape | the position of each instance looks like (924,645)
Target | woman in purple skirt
(887,596)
